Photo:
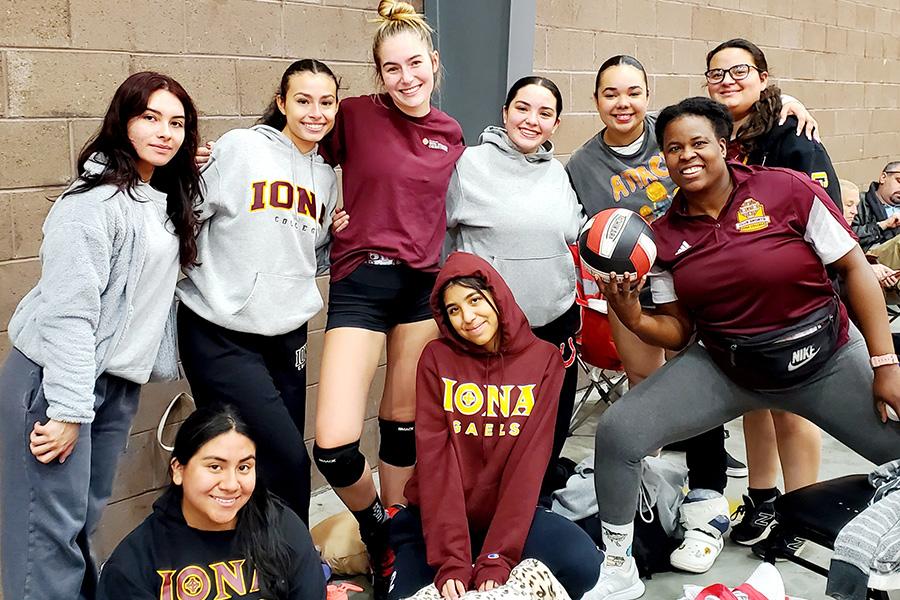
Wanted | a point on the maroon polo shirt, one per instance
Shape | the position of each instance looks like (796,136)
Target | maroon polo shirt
(395,173)
(760,266)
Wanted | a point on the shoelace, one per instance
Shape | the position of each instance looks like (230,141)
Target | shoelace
(740,510)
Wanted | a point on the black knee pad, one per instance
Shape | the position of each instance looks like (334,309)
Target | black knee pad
(398,442)
(341,466)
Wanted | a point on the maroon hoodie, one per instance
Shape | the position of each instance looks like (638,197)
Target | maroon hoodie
(484,430)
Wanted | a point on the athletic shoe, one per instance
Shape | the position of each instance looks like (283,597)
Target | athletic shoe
(756,521)
(697,552)
(617,583)
(784,547)
(338,591)
(734,467)
(381,557)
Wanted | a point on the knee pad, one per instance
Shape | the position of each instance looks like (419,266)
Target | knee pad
(341,466)
(706,510)
(398,442)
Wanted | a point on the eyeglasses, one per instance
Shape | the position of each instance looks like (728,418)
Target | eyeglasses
(737,73)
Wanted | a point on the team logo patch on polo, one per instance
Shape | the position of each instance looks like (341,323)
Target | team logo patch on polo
(435,144)
(751,216)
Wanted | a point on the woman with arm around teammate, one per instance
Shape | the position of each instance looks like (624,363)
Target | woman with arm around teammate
(397,153)
(216,531)
(781,229)
(737,76)
(96,326)
(511,203)
(487,392)
(244,310)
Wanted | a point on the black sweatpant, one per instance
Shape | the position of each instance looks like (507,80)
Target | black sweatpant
(560,544)
(264,377)
(561,333)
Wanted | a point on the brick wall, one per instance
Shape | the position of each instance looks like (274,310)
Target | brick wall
(840,57)
(61,60)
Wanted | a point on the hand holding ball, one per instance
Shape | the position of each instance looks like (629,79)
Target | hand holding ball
(617,240)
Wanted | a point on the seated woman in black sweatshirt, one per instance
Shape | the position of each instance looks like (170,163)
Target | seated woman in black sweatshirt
(215,533)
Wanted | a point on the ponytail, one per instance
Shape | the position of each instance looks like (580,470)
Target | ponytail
(764,116)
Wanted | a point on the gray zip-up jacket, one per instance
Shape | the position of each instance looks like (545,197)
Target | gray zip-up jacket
(70,323)
(267,214)
(519,212)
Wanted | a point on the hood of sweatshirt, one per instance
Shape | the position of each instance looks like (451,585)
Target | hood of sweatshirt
(515,332)
(498,137)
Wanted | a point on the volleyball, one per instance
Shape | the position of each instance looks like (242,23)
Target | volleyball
(617,240)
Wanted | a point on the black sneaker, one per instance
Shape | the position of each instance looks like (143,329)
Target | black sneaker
(784,547)
(734,467)
(381,557)
(756,521)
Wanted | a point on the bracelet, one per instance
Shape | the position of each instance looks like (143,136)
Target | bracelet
(883,359)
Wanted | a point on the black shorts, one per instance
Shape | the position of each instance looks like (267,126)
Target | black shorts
(378,297)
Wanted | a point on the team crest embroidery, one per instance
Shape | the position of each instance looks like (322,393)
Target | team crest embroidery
(751,216)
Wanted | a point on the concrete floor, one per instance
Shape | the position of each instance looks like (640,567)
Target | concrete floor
(736,562)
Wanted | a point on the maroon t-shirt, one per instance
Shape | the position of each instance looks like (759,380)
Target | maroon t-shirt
(395,173)
(760,266)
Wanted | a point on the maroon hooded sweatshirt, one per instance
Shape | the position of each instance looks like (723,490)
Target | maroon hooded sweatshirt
(484,430)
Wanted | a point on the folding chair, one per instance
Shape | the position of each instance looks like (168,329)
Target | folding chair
(595,351)
(817,513)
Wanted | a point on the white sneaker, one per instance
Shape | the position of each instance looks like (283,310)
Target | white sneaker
(697,552)
(617,583)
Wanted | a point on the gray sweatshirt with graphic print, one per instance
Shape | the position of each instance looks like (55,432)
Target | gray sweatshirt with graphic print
(519,212)
(603,178)
(266,218)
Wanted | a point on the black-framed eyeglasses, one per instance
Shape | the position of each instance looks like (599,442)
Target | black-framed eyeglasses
(737,73)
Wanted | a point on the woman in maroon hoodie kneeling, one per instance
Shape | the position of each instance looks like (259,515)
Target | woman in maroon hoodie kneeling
(486,399)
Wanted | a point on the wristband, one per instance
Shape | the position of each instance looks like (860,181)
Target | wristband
(883,359)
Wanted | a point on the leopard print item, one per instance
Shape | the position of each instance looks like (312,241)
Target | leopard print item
(529,580)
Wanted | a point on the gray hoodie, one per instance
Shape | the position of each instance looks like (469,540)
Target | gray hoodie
(267,213)
(519,212)
(71,322)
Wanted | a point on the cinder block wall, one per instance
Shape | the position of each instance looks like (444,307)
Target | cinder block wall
(840,57)
(61,60)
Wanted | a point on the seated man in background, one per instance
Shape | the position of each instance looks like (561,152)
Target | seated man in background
(887,277)
(878,220)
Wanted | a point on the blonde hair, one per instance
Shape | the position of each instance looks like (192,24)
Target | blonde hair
(397,17)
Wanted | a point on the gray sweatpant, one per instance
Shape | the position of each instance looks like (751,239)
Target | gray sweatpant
(48,512)
(690,394)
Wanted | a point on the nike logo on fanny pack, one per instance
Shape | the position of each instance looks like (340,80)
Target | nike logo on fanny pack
(801,357)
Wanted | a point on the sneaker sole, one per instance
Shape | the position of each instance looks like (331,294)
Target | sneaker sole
(736,473)
(630,593)
(752,541)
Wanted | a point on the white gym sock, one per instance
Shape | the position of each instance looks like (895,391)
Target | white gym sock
(617,539)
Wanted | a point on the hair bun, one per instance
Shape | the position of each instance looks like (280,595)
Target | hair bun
(392,10)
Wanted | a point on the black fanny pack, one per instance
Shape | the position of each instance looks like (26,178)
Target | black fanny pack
(782,358)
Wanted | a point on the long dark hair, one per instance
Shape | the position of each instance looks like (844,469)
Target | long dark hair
(258,529)
(535,80)
(767,110)
(179,179)
(272,116)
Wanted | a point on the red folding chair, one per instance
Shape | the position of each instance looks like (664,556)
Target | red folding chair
(596,353)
